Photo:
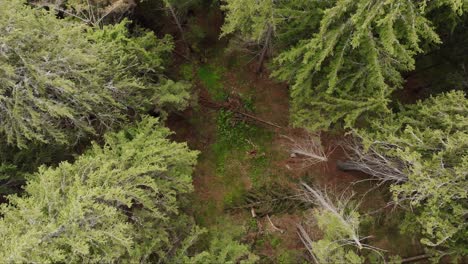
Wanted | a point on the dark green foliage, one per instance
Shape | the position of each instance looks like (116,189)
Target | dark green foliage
(16,164)
(351,64)
(223,247)
(347,65)
(195,35)
(10,179)
(144,58)
(443,68)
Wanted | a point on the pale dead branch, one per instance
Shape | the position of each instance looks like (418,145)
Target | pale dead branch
(338,209)
(343,210)
(372,162)
(273,225)
(307,149)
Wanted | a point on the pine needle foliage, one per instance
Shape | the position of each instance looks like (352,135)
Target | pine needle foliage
(431,139)
(224,247)
(118,202)
(352,63)
(249,18)
(343,58)
(61,81)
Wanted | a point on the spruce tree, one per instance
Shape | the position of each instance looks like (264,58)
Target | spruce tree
(427,146)
(352,63)
(118,202)
(342,58)
(62,81)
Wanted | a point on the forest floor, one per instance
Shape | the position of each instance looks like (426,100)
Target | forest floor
(241,158)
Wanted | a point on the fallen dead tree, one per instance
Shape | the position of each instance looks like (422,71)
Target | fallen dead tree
(338,220)
(213,105)
(339,209)
(308,149)
(371,161)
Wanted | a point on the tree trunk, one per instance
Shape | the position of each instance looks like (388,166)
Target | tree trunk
(179,26)
(265,49)
(348,166)
(416,258)
(214,105)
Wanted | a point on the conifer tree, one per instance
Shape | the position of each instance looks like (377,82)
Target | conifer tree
(95,13)
(250,19)
(347,65)
(265,22)
(352,63)
(426,147)
(223,247)
(61,81)
(116,202)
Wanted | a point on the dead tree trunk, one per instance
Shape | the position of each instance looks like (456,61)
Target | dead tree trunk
(339,210)
(266,47)
(416,258)
(214,105)
(179,27)
(350,166)
(373,161)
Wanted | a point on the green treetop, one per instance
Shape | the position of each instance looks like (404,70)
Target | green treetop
(345,57)
(427,146)
(249,18)
(61,81)
(116,202)
(350,65)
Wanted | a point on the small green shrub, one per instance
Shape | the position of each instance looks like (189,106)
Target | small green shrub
(248,102)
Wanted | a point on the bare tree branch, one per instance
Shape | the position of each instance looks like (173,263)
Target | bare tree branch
(308,149)
(372,162)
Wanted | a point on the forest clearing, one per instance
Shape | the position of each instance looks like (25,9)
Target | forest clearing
(233,131)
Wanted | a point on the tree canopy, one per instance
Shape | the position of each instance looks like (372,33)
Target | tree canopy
(428,144)
(115,202)
(61,81)
(89,173)
(346,65)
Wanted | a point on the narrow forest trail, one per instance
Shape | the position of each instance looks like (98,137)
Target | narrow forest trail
(248,156)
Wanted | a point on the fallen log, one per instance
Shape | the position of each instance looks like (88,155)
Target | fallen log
(214,105)
(416,258)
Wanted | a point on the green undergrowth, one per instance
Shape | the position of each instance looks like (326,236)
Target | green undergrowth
(248,101)
(195,35)
(241,153)
(211,77)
